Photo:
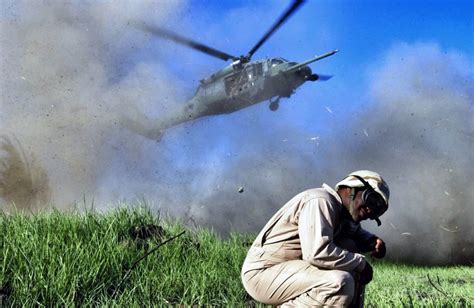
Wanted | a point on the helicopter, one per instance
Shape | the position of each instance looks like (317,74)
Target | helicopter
(240,84)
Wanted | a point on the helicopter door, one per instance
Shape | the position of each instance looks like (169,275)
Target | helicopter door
(251,72)
(235,83)
(240,81)
(231,88)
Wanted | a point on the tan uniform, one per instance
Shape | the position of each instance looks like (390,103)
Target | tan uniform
(295,260)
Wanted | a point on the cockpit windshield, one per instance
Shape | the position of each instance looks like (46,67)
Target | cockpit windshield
(277,61)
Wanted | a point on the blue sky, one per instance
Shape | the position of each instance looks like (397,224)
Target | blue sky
(363,31)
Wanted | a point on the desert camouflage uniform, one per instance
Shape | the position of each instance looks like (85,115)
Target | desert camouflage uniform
(298,259)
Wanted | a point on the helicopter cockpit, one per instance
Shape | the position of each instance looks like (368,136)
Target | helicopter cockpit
(275,61)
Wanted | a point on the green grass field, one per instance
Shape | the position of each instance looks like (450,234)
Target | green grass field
(90,259)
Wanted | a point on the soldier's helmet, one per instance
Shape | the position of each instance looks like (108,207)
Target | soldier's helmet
(375,195)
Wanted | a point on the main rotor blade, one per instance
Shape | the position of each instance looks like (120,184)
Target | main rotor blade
(278,23)
(184,41)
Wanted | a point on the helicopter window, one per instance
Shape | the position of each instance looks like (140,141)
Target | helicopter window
(232,83)
(239,81)
(275,62)
(250,71)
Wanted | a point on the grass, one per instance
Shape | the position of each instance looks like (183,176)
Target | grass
(81,259)
(405,285)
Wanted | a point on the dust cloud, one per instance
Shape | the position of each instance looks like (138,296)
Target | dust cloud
(419,133)
(67,78)
(416,129)
(24,184)
(71,71)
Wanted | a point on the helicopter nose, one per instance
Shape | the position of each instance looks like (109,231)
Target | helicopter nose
(305,72)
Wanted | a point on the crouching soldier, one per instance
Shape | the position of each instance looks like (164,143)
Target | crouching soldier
(308,254)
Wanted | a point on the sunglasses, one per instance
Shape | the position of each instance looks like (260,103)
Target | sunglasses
(373,200)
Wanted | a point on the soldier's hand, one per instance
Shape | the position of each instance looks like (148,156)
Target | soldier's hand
(379,249)
(366,275)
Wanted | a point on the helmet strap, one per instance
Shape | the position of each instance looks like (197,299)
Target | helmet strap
(351,205)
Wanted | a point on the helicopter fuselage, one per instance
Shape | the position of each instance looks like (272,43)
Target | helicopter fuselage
(239,86)
(233,88)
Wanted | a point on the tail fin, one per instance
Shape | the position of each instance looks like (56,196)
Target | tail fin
(142,128)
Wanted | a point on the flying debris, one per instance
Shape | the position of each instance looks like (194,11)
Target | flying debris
(241,84)
(445,228)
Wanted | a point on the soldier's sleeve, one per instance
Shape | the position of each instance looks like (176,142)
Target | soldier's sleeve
(316,227)
(363,238)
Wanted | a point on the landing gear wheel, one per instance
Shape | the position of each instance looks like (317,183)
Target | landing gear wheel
(274,105)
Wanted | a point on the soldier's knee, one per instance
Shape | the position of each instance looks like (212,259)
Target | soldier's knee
(343,283)
(338,290)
